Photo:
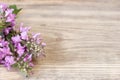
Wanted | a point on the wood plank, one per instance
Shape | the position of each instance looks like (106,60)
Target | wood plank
(82,39)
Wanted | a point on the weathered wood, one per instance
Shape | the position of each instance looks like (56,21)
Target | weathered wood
(82,36)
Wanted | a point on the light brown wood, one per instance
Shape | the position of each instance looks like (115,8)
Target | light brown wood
(82,36)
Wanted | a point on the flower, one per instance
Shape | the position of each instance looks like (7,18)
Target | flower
(35,36)
(24,29)
(24,36)
(31,64)
(16,39)
(10,18)
(4,51)
(3,43)
(43,44)
(17,48)
(2,54)
(7,30)
(3,7)
(20,49)
(9,60)
(8,12)
(28,58)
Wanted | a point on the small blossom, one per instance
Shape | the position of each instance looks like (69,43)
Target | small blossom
(31,64)
(43,44)
(28,58)
(35,36)
(9,60)
(24,29)
(24,36)
(7,30)
(16,39)
(20,49)
(3,7)
(8,12)
(10,18)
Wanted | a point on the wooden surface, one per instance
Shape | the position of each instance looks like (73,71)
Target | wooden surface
(82,36)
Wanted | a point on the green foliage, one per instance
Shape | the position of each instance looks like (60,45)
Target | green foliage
(16,10)
(1,27)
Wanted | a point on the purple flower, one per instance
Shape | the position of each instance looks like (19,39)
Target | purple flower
(7,30)
(2,54)
(3,7)
(35,36)
(24,29)
(31,64)
(8,12)
(43,44)
(9,60)
(28,58)
(4,51)
(10,18)
(20,49)
(24,36)
(16,39)
(12,23)
(3,43)
(24,32)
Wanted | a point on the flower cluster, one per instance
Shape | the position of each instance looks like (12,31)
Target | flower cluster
(18,48)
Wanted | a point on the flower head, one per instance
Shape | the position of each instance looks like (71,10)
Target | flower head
(3,7)
(24,35)
(7,30)
(16,39)
(10,18)
(20,49)
(28,57)
(9,60)
(24,29)
(8,12)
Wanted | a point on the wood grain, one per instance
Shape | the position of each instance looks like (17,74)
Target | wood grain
(82,36)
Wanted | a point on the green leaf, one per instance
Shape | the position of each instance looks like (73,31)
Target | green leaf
(1,28)
(16,10)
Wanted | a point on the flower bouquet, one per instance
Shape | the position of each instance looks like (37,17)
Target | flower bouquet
(18,48)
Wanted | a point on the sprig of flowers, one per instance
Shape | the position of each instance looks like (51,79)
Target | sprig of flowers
(18,48)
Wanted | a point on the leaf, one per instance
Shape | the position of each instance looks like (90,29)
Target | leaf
(11,47)
(16,10)
(1,28)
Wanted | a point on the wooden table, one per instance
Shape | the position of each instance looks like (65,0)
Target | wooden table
(82,36)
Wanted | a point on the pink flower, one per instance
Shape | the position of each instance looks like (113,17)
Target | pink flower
(31,64)
(7,30)
(28,58)
(2,54)
(24,32)
(4,51)
(43,44)
(20,49)
(10,18)
(24,36)
(9,60)
(24,29)
(35,36)
(16,39)
(3,7)
(8,12)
